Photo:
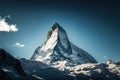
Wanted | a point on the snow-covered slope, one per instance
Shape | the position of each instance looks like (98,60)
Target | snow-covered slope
(87,71)
(92,71)
(57,47)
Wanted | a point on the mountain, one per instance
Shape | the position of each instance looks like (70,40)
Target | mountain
(11,69)
(36,70)
(87,71)
(42,70)
(57,48)
(57,59)
(96,71)
(7,60)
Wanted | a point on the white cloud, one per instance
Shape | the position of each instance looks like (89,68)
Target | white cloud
(18,45)
(8,16)
(4,26)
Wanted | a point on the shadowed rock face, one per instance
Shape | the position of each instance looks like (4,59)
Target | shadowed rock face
(9,61)
(57,47)
(45,71)
(11,69)
(3,75)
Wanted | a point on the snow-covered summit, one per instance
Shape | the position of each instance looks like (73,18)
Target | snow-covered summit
(57,47)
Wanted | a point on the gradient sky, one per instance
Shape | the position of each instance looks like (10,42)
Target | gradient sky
(93,25)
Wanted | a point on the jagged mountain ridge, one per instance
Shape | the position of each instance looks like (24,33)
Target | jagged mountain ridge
(7,60)
(57,47)
(11,69)
(36,70)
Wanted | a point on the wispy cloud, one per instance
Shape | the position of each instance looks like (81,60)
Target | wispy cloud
(6,27)
(18,45)
(8,16)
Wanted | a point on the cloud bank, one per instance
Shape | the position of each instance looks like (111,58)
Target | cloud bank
(18,45)
(5,27)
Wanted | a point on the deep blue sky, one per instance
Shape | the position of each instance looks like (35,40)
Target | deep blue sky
(93,25)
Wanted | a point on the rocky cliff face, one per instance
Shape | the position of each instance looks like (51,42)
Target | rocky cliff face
(11,69)
(9,61)
(57,47)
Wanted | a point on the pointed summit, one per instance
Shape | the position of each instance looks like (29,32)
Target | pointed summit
(55,29)
(57,47)
(56,25)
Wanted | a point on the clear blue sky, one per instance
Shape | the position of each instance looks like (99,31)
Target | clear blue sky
(92,25)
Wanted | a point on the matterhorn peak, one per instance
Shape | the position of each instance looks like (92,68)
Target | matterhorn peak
(57,48)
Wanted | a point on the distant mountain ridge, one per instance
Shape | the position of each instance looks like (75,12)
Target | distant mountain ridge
(57,47)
